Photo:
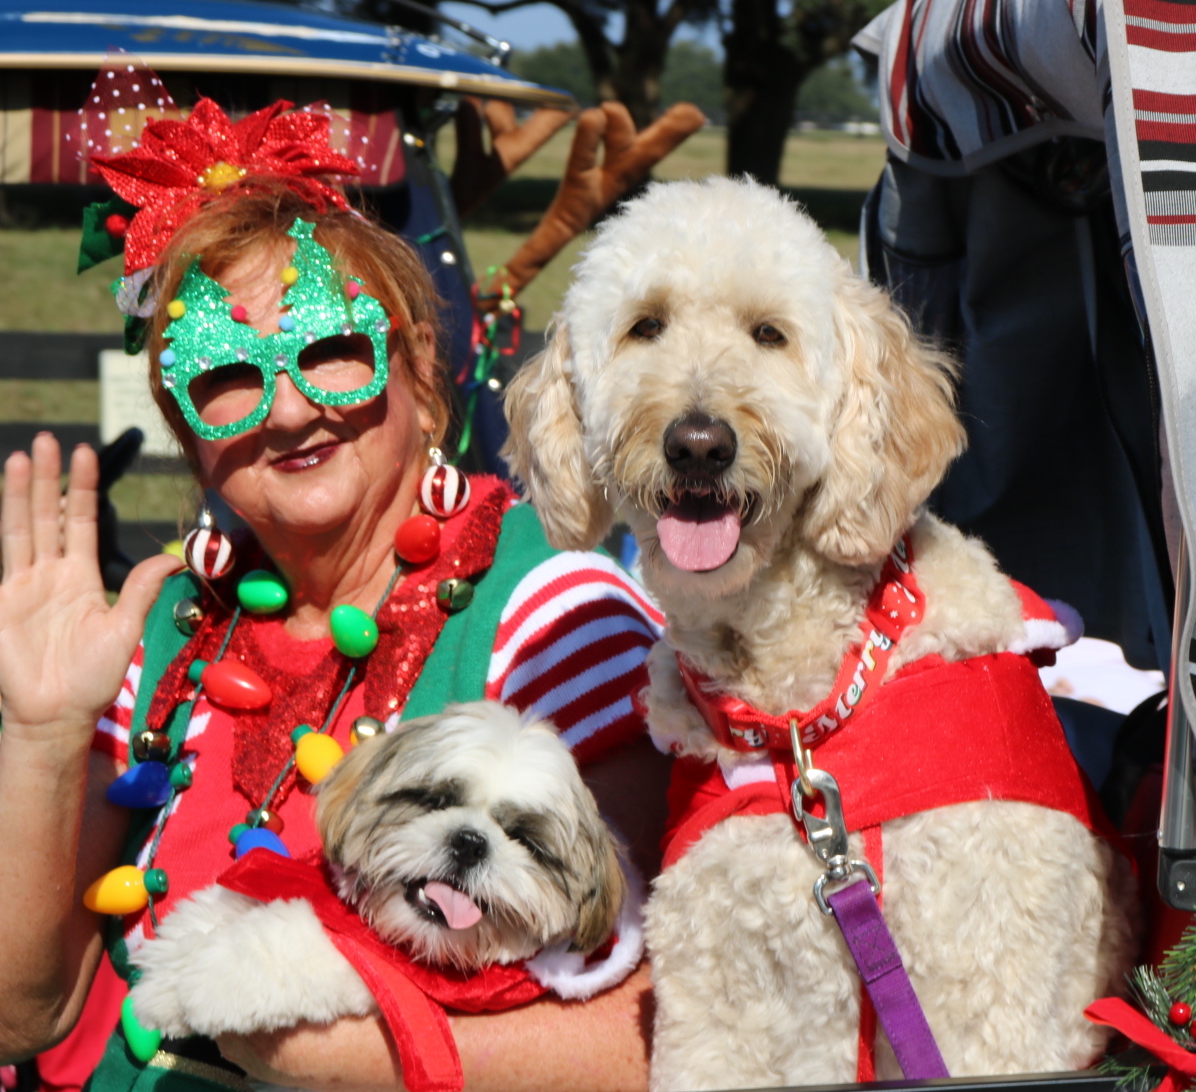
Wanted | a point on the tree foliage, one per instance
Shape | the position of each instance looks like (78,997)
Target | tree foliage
(692,73)
(832,94)
(561,65)
(769,55)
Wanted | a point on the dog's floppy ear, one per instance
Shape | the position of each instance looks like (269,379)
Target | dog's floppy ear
(893,434)
(546,452)
(606,885)
(336,794)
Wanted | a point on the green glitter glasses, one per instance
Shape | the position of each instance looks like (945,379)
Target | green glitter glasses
(331,343)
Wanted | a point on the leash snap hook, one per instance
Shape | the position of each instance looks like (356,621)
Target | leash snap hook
(827,836)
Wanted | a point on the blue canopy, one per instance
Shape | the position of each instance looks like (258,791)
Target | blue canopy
(243,36)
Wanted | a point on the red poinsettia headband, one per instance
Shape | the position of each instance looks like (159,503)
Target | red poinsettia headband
(181,165)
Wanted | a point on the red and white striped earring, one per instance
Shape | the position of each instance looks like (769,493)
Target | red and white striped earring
(207,550)
(443,490)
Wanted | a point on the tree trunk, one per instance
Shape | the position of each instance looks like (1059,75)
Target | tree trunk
(762,78)
(641,57)
(591,35)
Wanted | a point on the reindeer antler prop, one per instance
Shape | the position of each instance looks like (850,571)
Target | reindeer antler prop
(589,188)
(477,172)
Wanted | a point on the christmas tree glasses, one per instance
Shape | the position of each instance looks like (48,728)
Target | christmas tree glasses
(331,344)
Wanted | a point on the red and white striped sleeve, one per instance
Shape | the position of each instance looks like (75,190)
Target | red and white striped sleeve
(571,647)
(112,731)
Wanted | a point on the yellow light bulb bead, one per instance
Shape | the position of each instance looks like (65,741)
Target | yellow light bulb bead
(121,891)
(315,755)
(289,275)
(176,309)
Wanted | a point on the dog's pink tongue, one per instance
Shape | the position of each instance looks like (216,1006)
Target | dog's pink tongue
(698,535)
(459,910)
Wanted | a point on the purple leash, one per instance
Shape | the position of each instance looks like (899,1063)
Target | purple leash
(897,1007)
(858,913)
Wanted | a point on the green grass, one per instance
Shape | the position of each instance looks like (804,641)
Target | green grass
(50,400)
(155,498)
(39,290)
(820,159)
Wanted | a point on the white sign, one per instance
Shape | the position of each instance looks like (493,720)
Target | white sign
(125,402)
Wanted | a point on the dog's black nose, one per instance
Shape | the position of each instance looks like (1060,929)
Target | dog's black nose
(469,846)
(698,444)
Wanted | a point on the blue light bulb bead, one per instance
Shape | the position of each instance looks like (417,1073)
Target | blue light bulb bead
(146,785)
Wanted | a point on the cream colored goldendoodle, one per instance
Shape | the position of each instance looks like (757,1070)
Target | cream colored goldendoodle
(770,428)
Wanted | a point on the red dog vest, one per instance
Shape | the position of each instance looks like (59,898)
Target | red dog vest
(935,734)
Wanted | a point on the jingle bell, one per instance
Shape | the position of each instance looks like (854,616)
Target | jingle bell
(365,728)
(443,491)
(264,819)
(454,594)
(151,746)
(188,615)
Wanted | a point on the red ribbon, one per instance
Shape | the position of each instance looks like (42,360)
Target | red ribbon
(411,996)
(1112,1012)
(167,176)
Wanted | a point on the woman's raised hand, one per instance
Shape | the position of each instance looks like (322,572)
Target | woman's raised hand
(63,649)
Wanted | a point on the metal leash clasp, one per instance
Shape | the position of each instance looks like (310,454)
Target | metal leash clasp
(827,836)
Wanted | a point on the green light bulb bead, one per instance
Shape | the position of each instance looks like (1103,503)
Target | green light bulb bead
(354,632)
(262,592)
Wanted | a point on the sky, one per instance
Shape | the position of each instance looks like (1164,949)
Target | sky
(541,24)
(524,28)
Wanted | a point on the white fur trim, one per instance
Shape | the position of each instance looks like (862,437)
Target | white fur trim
(565,972)
(1066,628)
(1041,634)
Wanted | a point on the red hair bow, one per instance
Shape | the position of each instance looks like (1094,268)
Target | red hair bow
(179,166)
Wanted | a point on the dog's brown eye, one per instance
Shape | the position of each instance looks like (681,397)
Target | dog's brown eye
(766,334)
(648,328)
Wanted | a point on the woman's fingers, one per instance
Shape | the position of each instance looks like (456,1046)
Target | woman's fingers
(80,534)
(15,530)
(45,497)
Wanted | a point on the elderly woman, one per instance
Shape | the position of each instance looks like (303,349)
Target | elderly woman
(293,352)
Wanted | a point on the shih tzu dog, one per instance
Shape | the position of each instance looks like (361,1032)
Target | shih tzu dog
(467,837)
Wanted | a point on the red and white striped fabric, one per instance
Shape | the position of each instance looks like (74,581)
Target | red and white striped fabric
(571,646)
(112,731)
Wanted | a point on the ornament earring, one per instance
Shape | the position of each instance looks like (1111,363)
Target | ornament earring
(443,490)
(207,550)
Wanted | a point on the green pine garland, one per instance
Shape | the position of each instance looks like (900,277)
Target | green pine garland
(1154,990)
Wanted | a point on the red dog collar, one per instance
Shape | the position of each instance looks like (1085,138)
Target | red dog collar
(894,606)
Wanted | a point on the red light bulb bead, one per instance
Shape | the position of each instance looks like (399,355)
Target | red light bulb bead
(230,683)
(418,540)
